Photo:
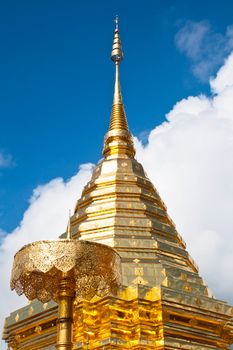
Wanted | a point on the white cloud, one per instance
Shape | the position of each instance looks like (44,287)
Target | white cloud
(5,160)
(224,78)
(205,48)
(45,218)
(190,160)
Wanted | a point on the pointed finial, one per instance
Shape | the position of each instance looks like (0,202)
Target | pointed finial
(116,21)
(117,57)
(118,140)
(68,235)
(117,53)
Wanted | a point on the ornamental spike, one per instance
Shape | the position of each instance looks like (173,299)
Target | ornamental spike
(118,140)
(68,234)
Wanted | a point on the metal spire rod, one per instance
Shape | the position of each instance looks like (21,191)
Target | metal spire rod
(117,56)
(118,140)
(68,234)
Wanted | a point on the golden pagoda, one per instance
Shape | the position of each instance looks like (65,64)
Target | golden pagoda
(163,302)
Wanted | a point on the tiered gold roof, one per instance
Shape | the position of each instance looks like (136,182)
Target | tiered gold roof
(163,302)
(120,207)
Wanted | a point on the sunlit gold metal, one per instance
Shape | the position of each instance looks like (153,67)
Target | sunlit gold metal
(63,270)
(163,303)
(66,295)
(68,235)
(118,140)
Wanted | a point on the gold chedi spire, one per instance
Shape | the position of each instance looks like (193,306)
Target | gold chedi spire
(118,141)
(117,56)
(163,303)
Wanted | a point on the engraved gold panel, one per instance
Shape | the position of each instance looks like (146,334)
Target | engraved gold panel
(38,268)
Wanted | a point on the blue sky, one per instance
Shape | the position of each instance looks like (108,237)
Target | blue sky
(56,81)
